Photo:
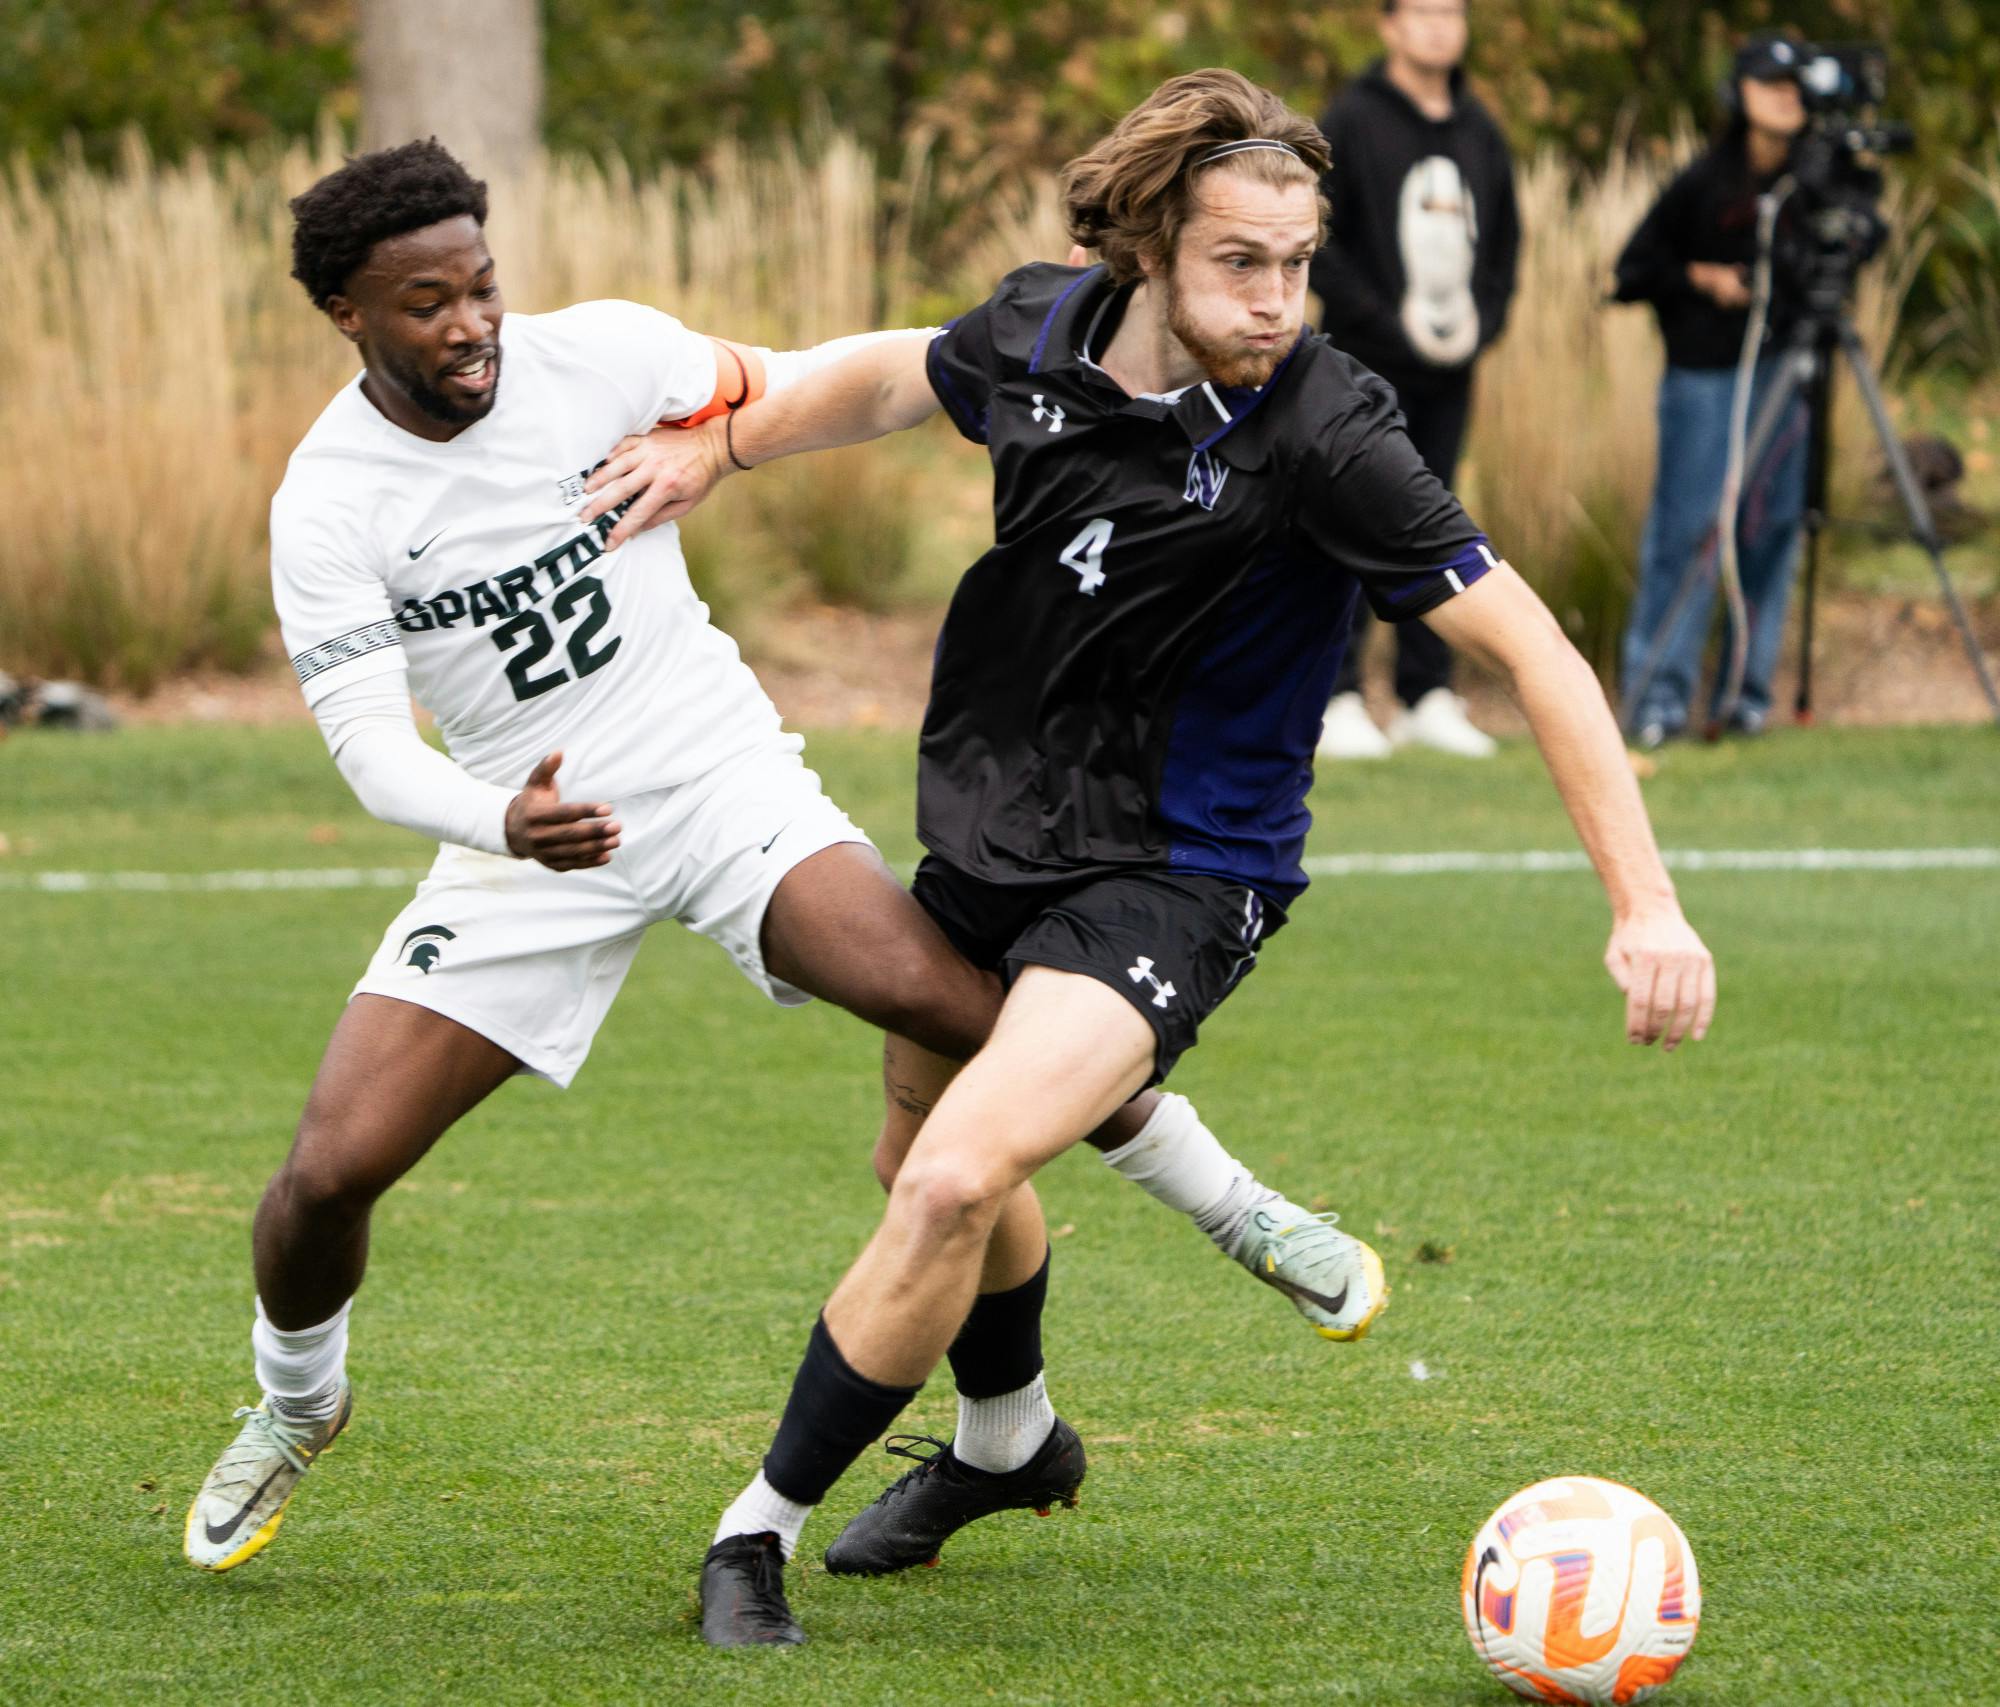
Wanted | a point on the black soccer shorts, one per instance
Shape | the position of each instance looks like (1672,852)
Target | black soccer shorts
(1173,944)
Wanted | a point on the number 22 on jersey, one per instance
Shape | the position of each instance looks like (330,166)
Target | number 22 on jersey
(530,639)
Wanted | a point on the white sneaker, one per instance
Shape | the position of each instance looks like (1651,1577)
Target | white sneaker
(1438,720)
(1349,732)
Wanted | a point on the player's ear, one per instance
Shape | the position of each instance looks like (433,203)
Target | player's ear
(346,318)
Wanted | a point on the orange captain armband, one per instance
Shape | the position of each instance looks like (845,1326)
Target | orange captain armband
(739,379)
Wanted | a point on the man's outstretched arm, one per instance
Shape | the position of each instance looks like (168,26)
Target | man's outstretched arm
(881,388)
(1655,957)
(399,778)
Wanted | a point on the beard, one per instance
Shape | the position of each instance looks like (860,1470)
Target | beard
(1227,363)
(415,384)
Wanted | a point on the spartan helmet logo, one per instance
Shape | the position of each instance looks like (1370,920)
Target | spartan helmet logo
(422,947)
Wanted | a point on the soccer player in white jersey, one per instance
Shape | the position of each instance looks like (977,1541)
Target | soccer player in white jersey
(426,540)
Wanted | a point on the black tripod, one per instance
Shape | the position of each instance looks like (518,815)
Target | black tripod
(1808,363)
(1809,366)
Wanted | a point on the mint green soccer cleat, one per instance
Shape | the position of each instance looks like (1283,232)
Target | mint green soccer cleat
(243,1501)
(1333,1279)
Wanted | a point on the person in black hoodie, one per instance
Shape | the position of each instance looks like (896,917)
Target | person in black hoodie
(1691,258)
(1414,280)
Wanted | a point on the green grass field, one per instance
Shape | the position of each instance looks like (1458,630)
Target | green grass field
(1758,1280)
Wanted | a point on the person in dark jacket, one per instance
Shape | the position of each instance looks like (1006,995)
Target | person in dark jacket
(1414,281)
(1692,258)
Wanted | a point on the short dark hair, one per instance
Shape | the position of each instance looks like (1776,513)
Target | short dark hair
(376,195)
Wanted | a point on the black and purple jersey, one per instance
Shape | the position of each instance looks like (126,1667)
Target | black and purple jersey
(1134,675)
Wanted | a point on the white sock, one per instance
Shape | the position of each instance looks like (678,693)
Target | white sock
(1178,1160)
(1003,1433)
(302,1369)
(760,1507)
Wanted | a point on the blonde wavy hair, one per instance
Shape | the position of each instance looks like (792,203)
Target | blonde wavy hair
(1128,197)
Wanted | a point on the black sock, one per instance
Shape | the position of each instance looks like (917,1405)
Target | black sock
(999,1350)
(832,1417)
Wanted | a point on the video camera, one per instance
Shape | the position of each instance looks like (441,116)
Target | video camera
(1839,222)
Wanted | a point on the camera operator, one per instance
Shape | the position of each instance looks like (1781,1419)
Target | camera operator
(1692,259)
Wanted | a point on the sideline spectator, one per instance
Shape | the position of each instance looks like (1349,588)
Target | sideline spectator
(1691,259)
(1415,280)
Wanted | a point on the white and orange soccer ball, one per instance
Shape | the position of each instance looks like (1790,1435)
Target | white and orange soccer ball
(1581,1590)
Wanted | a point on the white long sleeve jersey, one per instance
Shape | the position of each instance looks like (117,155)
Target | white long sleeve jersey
(464,563)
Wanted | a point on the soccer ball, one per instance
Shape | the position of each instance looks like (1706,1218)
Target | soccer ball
(1581,1590)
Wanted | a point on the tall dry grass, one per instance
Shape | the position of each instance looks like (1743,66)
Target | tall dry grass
(151,383)
(1559,463)
(157,365)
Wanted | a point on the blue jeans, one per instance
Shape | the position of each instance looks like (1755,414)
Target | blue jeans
(1668,627)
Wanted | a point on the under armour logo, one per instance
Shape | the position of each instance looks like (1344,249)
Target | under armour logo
(1050,412)
(1163,993)
(1204,481)
(429,944)
(1253,917)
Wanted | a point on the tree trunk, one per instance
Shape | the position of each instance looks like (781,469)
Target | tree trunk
(468,72)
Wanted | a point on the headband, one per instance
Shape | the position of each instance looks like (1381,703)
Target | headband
(1248,142)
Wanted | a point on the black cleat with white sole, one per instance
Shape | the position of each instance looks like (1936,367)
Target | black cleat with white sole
(743,1601)
(923,1508)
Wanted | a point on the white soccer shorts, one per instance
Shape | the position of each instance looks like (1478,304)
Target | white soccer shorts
(532,958)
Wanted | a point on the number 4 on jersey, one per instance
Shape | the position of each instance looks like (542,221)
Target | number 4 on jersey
(1084,555)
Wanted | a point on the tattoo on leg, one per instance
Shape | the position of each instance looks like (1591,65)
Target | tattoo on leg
(903,1096)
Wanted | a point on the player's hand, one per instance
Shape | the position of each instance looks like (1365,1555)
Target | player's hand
(662,475)
(561,834)
(1668,977)
(1724,285)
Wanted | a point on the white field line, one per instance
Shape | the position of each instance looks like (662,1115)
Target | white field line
(210,882)
(1679,859)
(1532,863)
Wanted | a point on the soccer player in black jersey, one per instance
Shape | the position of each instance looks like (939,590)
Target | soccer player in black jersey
(1190,494)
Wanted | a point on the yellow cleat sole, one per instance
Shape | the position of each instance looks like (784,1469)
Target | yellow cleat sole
(1378,1289)
(249,1549)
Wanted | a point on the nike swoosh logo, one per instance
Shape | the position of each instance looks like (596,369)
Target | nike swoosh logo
(219,1533)
(1490,1557)
(1332,1306)
(417,551)
(766,848)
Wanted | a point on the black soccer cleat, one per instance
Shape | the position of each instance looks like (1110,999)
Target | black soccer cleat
(923,1508)
(743,1594)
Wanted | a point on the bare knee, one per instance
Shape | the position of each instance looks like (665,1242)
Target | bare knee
(325,1178)
(950,1197)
